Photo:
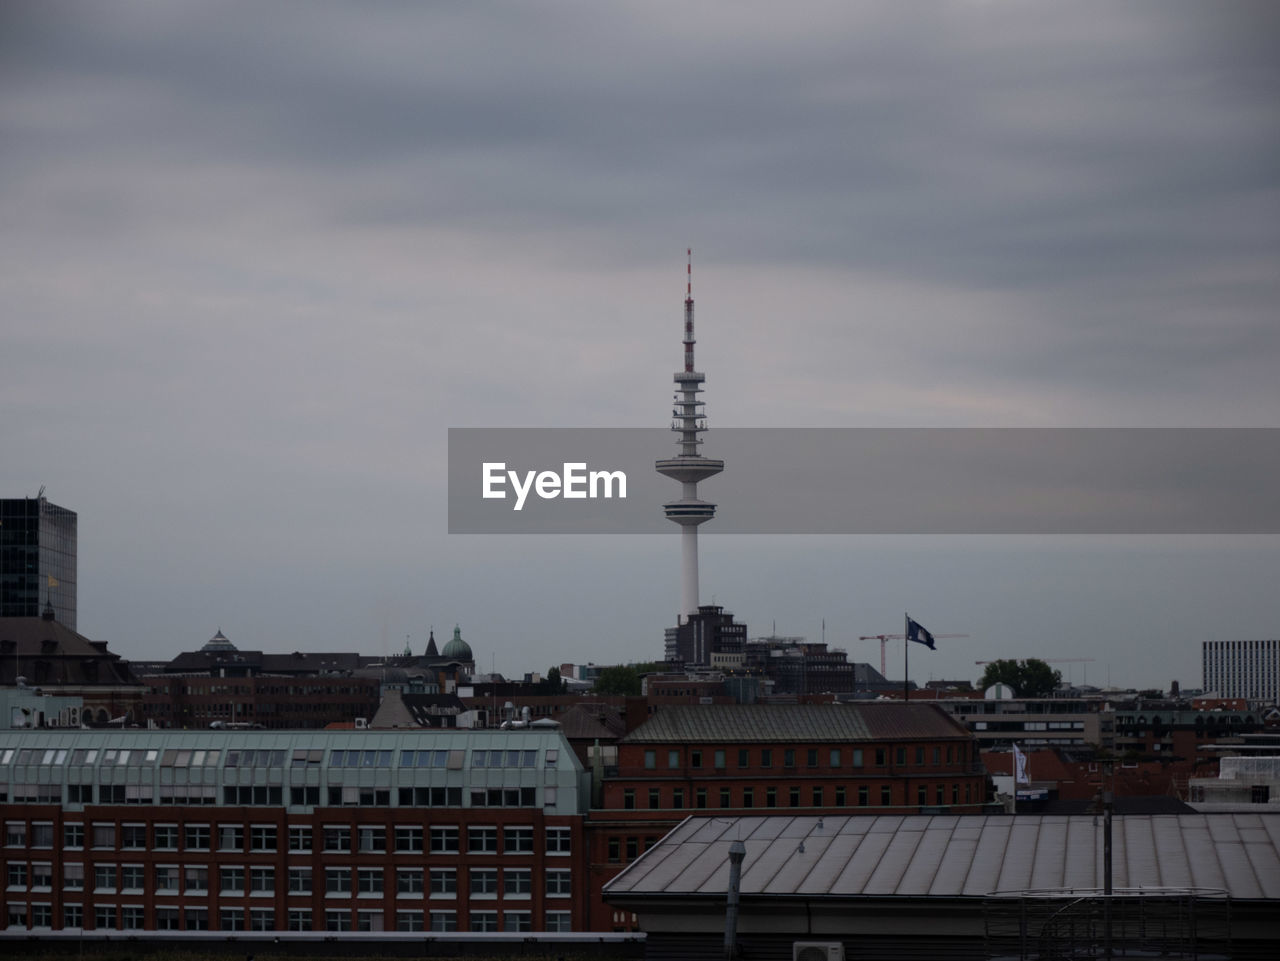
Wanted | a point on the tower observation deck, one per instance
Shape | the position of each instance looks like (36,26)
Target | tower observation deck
(689,467)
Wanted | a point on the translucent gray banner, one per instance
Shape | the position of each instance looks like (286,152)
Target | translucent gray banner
(872,481)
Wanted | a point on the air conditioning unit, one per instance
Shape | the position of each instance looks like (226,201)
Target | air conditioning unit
(362,723)
(73,717)
(817,951)
(52,721)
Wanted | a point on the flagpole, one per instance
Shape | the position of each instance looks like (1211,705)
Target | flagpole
(906,649)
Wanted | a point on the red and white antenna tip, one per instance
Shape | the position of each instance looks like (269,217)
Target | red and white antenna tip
(689,286)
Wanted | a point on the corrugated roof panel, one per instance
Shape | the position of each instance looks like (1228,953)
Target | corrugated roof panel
(837,851)
(1048,865)
(888,874)
(864,859)
(984,874)
(1139,851)
(1237,872)
(1202,853)
(1172,866)
(953,872)
(1266,864)
(1015,869)
(1082,853)
(922,870)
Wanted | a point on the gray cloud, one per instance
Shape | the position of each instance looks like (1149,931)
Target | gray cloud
(254,261)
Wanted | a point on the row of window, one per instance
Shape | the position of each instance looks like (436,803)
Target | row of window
(789,757)
(676,798)
(133,918)
(407,839)
(263,795)
(299,757)
(193,879)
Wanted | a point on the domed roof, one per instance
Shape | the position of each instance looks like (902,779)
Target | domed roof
(457,649)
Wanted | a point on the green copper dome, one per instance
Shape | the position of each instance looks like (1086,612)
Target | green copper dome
(457,649)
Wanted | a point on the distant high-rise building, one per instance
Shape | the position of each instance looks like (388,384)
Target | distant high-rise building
(708,638)
(1248,669)
(37,559)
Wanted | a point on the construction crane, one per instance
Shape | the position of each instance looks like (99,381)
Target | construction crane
(886,638)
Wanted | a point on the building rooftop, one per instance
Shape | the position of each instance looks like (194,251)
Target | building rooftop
(48,653)
(809,723)
(959,855)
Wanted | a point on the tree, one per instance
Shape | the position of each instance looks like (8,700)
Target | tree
(622,679)
(1030,678)
(553,684)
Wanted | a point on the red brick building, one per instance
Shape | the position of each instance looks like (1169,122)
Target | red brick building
(869,757)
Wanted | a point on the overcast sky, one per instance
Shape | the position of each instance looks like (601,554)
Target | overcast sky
(256,258)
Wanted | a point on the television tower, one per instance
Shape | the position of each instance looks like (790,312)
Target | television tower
(690,466)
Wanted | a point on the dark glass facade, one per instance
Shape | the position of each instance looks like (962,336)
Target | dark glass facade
(37,559)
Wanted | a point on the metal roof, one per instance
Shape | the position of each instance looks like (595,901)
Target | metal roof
(804,723)
(960,856)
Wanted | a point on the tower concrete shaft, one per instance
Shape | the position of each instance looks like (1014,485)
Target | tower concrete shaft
(689,421)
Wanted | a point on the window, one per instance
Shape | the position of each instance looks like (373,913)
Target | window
(655,797)
(104,916)
(337,838)
(299,881)
(766,757)
(262,838)
(231,880)
(922,794)
(840,796)
(167,919)
(517,882)
(299,919)
(104,836)
(73,876)
(409,840)
(793,796)
(197,837)
(444,882)
(650,760)
(15,834)
(409,921)
(695,759)
(230,837)
(372,839)
(368,920)
(195,879)
(517,921)
(42,835)
(484,882)
(444,840)
(789,757)
(104,877)
(559,840)
(166,837)
(166,878)
(677,798)
(443,920)
(886,798)
(262,879)
(817,797)
(857,757)
(718,760)
(262,919)
(337,881)
(484,920)
(744,757)
(770,797)
(369,880)
(615,850)
(628,798)
(73,835)
(939,794)
(197,919)
(517,840)
(131,918)
(900,755)
(559,921)
(748,797)
(725,797)
(73,916)
(133,837)
(482,840)
(559,883)
(231,919)
(880,754)
(17,876)
(919,756)
(633,849)
(337,920)
(299,838)
(700,797)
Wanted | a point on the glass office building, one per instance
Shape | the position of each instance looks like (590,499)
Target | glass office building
(37,559)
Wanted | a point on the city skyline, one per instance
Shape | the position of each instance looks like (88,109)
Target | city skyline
(256,264)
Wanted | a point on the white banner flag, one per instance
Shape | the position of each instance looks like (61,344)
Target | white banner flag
(1020,767)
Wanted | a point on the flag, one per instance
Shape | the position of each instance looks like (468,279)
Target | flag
(918,634)
(53,581)
(1020,767)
